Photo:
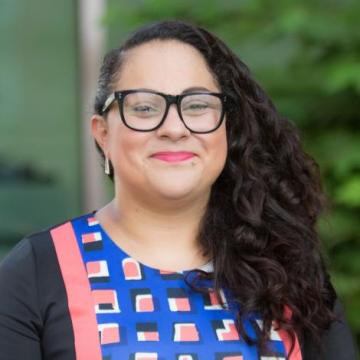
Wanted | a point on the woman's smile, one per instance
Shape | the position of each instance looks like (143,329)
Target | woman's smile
(173,156)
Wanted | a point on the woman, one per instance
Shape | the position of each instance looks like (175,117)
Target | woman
(208,249)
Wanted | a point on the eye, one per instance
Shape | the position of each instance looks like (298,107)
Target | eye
(143,108)
(197,106)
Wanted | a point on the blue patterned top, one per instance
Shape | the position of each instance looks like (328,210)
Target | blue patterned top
(145,313)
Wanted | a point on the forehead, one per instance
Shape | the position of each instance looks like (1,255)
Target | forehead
(168,66)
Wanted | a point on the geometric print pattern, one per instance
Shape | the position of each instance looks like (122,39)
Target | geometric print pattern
(145,313)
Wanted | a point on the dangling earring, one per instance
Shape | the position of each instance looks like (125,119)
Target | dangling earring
(107,166)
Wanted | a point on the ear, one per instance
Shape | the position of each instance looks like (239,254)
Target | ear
(100,131)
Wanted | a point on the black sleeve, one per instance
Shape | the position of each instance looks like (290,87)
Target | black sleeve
(338,342)
(20,320)
(34,316)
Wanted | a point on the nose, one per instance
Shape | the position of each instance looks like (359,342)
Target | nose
(173,127)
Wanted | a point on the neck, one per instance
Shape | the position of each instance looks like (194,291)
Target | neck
(169,229)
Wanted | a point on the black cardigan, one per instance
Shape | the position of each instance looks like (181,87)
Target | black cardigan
(34,316)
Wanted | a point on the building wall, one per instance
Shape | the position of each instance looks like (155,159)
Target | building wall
(39,117)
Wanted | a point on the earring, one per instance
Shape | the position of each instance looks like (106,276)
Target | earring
(107,166)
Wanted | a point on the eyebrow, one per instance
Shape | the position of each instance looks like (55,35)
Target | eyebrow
(195,88)
(187,90)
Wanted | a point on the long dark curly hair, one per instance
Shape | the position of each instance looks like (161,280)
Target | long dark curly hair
(259,226)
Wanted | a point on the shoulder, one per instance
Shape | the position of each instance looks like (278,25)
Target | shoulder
(34,305)
(31,271)
(34,255)
(37,243)
(337,341)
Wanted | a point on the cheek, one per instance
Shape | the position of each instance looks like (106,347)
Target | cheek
(126,146)
(218,147)
(220,142)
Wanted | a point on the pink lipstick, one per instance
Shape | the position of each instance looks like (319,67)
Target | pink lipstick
(173,156)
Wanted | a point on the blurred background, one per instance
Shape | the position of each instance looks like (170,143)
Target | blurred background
(305,54)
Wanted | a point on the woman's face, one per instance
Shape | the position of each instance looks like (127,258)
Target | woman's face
(169,67)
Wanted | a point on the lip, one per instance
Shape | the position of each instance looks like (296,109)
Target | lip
(173,156)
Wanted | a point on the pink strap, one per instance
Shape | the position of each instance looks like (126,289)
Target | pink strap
(80,303)
(285,337)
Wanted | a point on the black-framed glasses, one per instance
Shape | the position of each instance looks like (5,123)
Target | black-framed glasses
(146,110)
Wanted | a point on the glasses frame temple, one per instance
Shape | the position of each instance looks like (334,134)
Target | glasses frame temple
(108,102)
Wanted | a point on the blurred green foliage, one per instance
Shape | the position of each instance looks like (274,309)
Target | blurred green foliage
(307,56)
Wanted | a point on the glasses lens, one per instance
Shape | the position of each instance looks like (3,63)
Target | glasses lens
(201,112)
(142,110)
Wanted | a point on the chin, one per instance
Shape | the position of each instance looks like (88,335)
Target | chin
(173,191)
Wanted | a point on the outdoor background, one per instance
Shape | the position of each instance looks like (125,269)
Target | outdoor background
(305,54)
